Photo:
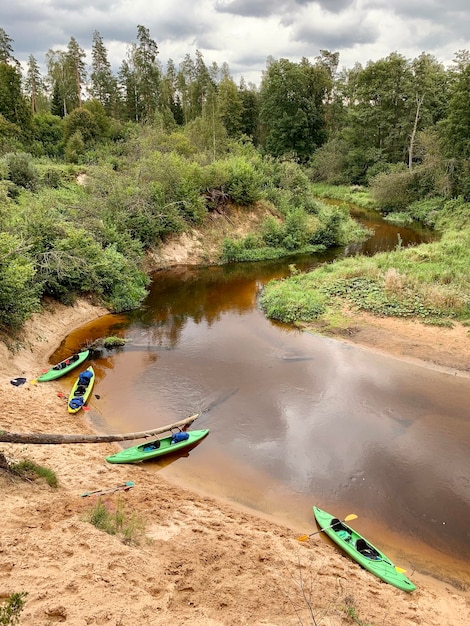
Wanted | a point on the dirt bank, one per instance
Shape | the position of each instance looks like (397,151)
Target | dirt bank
(202,562)
(446,349)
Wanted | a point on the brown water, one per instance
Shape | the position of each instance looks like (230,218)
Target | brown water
(295,419)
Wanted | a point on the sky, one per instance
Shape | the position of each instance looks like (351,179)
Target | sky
(243,33)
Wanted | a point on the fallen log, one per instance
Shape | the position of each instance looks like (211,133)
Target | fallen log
(51,438)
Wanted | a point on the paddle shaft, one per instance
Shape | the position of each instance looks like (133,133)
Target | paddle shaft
(347,519)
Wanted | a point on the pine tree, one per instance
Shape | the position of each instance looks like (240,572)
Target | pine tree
(34,84)
(103,85)
(76,69)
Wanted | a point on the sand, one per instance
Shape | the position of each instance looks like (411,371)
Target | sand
(188,559)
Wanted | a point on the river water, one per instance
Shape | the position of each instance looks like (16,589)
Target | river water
(295,419)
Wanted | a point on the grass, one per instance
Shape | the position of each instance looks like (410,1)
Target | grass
(430,282)
(117,521)
(29,470)
(353,194)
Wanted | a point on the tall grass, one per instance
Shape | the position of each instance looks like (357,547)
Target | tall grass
(116,520)
(430,282)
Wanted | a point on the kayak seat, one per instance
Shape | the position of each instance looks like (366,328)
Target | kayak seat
(341,530)
(337,525)
(80,390)
(154,445)
(366,550)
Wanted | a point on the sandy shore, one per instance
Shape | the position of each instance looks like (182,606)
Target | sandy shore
(199,561)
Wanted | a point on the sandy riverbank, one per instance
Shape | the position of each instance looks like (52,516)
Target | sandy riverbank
(204,561)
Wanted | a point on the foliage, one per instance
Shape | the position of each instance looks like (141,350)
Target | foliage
(113,342)
(288,301)
(400,218)
(19,294)
(21,170)
(28,469)
(430,282)
(294,125)
(11,609)
(117,521)
(393,190)
(47,135)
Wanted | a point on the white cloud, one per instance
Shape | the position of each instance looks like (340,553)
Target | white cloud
(244,33)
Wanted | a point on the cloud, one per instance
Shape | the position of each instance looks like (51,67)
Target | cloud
(243,33)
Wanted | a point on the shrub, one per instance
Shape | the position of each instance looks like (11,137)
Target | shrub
(11,609)
(393,190)
(19,295)
(21,170)
(288,301)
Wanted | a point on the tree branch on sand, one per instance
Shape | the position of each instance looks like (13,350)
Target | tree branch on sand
(51,438)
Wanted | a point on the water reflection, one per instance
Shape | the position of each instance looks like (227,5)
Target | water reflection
(295,419)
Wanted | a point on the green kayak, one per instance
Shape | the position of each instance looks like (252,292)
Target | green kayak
(64,367)
(158,447)
(362,551)
(81,390)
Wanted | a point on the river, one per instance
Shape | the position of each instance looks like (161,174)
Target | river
(295,419)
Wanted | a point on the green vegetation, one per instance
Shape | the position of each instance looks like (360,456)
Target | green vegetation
(430,282)
(11,609)
(97,169)
(117,521)
(30,470)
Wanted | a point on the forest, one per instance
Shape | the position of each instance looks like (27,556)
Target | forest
(163,147)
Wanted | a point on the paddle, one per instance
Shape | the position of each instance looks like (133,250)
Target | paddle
(348,518)
(99,492)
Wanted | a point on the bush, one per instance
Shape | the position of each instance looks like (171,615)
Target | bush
(243,182)
(117,522)
(11,609)
(289,301)
(394,190)
(19,295)
(21,170)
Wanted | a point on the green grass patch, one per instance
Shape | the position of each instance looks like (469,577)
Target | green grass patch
(353,194)
(287,301)
(116,520)
(430,282)
(29,470)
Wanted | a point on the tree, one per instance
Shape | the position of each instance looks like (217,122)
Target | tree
(34,84)
(456,131)
(184,80)
(103,85)
(62,83)
(6,49)
(249,121)
(140,77)
(292,109)
(230,107)
(170,98)
(13,105)
(76,67)
(430,95)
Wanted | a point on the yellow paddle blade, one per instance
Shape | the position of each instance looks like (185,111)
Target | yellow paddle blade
(400,570)
(348,518)
(33,382)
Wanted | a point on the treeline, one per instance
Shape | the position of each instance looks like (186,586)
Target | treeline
(159,150)
(407,118)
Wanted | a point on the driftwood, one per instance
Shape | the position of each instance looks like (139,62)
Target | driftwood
(45,438)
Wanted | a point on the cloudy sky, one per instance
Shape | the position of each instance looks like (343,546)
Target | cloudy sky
(243,33)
